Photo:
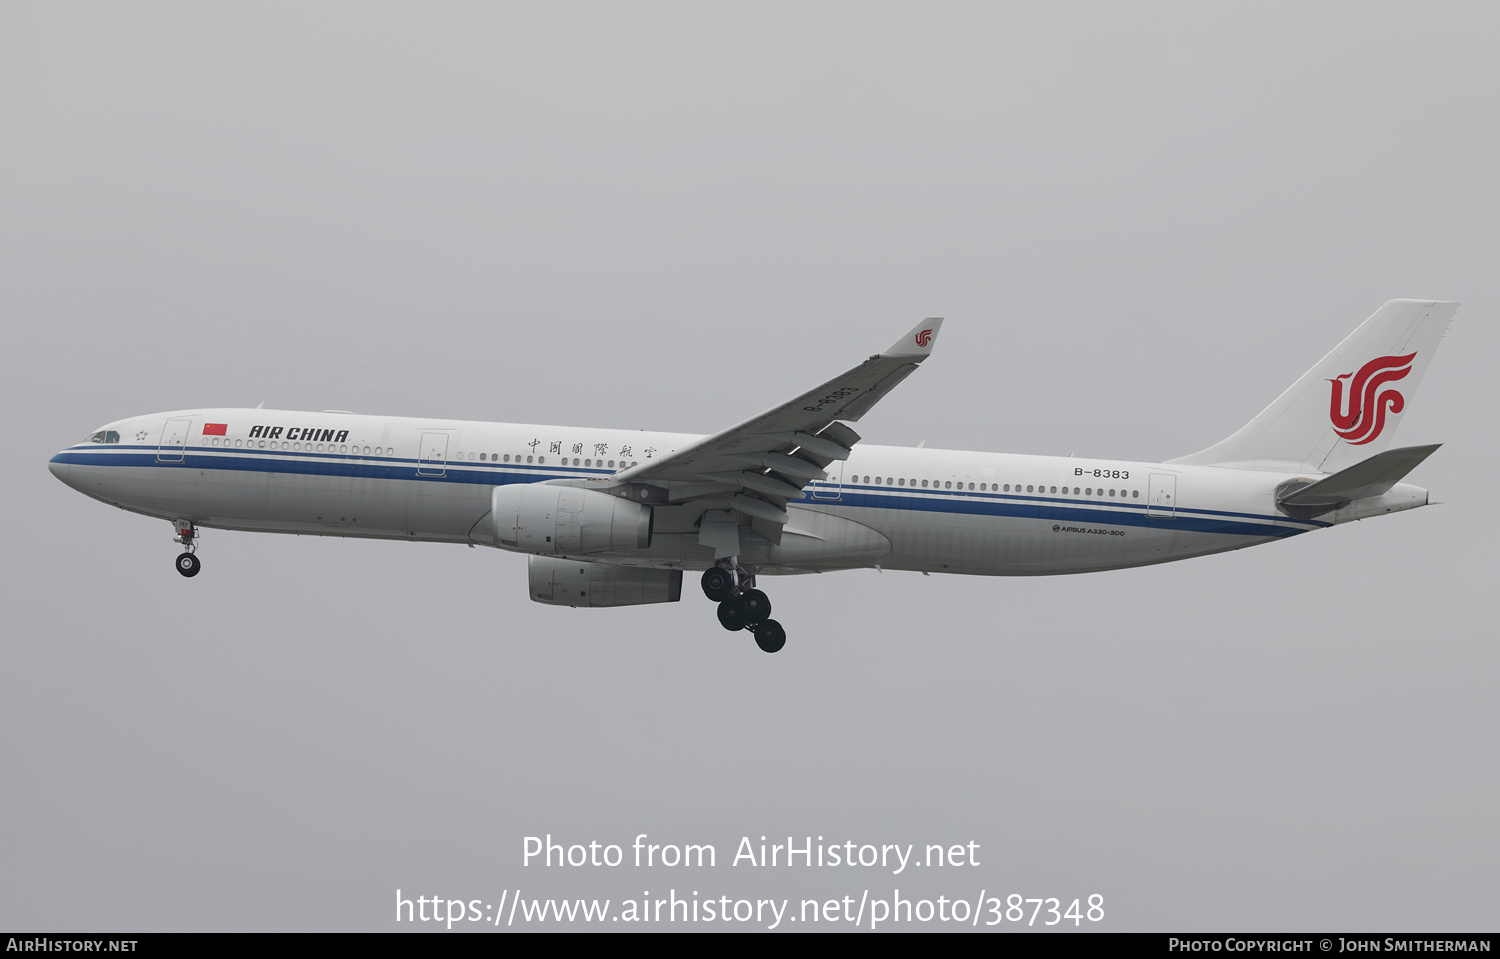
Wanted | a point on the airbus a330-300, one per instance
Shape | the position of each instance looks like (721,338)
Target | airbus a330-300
(613,517)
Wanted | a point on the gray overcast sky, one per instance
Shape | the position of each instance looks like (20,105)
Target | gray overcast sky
(1142,220)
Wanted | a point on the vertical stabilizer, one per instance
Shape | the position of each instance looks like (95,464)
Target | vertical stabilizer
(1346,408)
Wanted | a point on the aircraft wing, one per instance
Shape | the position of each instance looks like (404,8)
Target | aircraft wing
(756,466)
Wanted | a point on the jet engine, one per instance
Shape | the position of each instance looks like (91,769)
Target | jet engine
(564,582)
(538,518)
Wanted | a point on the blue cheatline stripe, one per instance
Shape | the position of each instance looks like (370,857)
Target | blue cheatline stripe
(1063,513)
(930,501)
(324,464)
(1094,504)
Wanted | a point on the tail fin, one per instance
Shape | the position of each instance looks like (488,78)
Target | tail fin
(1346,407)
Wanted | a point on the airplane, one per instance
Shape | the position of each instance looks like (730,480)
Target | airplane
(611,517)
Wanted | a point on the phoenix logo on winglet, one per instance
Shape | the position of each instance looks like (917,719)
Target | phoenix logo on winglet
(1368,403)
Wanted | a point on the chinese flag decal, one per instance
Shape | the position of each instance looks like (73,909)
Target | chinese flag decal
(214,429)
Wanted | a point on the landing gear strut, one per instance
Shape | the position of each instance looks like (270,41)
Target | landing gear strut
(742,606)
(187,534)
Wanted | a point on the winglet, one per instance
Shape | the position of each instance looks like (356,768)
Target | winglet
(919,340)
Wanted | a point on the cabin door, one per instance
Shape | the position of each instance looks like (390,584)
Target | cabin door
(831,488)
(1163,493)
(174,438)
(432,460)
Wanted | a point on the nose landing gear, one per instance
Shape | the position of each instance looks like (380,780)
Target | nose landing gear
(742,606)
(187,534)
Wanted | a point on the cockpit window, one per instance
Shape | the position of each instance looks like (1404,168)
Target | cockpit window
(105,436)
(98,437)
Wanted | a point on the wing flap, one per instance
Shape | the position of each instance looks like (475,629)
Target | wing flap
(820,446)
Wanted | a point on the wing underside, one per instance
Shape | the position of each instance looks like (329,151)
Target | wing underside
(754,469)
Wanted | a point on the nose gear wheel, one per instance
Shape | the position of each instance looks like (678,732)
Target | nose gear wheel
(187,562)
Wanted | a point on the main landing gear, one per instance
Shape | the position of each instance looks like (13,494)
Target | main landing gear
(742,606)
(187,535)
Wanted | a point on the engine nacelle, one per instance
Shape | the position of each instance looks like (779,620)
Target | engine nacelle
(538,518)
(573,582)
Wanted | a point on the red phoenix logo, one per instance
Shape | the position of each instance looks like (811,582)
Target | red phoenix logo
(924,337)
(1368,402)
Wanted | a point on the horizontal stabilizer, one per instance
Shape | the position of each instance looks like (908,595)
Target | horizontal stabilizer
(1372,477)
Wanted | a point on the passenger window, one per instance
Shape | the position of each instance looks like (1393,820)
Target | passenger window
(1135,494)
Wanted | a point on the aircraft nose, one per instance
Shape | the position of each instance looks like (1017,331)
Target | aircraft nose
(59,466)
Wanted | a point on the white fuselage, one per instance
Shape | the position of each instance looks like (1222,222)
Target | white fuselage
(339,474)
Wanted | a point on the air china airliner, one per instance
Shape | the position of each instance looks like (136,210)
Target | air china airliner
(613,517)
